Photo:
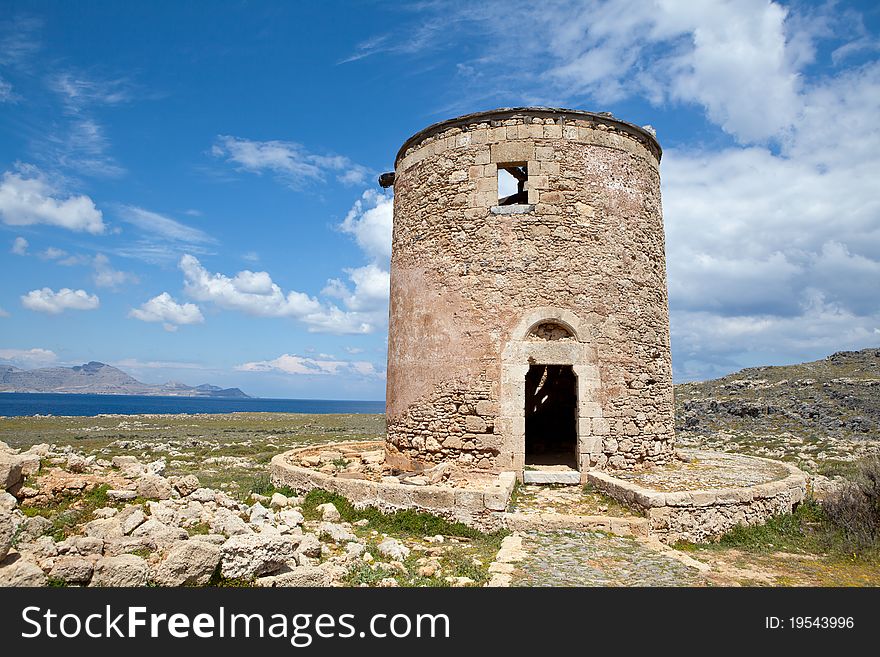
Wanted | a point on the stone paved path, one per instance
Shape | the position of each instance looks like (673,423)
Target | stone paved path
(568,558)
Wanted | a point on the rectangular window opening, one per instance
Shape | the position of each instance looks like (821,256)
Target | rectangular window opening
(513,184)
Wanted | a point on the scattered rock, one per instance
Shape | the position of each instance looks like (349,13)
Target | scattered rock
(104,529)
(354,550)
(328,512)
(77,463)
(304,576)
(279,501)
(154,487)
(260,515)
(121,495)
(336,533)
(290,517)
(130,518)
(228,523)
(8,526)
(251,555)
(82,545)
(16,571)
(309,546)
(393,549)
(188,563)
(159,533)
(185,485)
(10,470)
(124,570)
(32,528)
(72,570)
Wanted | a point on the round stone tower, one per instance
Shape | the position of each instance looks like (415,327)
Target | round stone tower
(529,326)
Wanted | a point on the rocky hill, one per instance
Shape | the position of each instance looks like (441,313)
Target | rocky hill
(98,379)
(820,411)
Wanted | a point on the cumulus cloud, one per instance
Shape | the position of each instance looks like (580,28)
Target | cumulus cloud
(255,293)
(289,161)
(776,255)
(20,246)
(3,313)
(27,197)
(370,222)
(163,308)
(28,357)
(46,300)
(324,365)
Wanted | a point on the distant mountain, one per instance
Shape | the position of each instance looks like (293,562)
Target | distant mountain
(99,379)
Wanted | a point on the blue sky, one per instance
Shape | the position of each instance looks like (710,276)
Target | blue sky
(190,193)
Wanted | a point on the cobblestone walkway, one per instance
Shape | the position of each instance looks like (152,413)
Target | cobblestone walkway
(569,558)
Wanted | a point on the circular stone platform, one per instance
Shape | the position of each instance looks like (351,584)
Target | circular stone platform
(707,494)
(358,472)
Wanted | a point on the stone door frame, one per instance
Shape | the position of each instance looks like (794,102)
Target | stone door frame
(519,353)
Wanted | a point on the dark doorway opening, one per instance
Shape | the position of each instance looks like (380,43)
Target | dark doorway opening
(551,415)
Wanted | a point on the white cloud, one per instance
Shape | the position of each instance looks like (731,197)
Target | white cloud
(106,276)
(84,147)
(51,253)
(160,226)
(27,198)
(370,221)
(28,357)
(47,300)
(371,289)
(79,92)
(163,308)
(20,246)
(3,313)
(255,293)
(324,365)
(778,254)
(289,161)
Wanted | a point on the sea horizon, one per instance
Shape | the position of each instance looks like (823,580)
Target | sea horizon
(22,404)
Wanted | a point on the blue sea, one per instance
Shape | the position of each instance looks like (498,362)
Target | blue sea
(26,403)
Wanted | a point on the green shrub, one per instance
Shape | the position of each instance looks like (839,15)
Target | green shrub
(855,509)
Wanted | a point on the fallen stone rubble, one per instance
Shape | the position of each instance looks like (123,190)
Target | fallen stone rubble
(154,529)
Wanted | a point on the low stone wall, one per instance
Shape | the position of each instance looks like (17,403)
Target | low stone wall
(701,515)
(479,506)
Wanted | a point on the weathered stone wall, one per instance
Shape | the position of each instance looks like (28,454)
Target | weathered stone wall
(587,252)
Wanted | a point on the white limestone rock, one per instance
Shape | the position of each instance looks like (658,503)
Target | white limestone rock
(329,512)
(188,563)
(72,570)
(124,570)
(251,555)
(393,549)
(335,532)
(17,571)
(154,487)
(228,523)
(301,576)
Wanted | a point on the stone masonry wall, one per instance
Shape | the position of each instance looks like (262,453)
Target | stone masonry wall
(465,272)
